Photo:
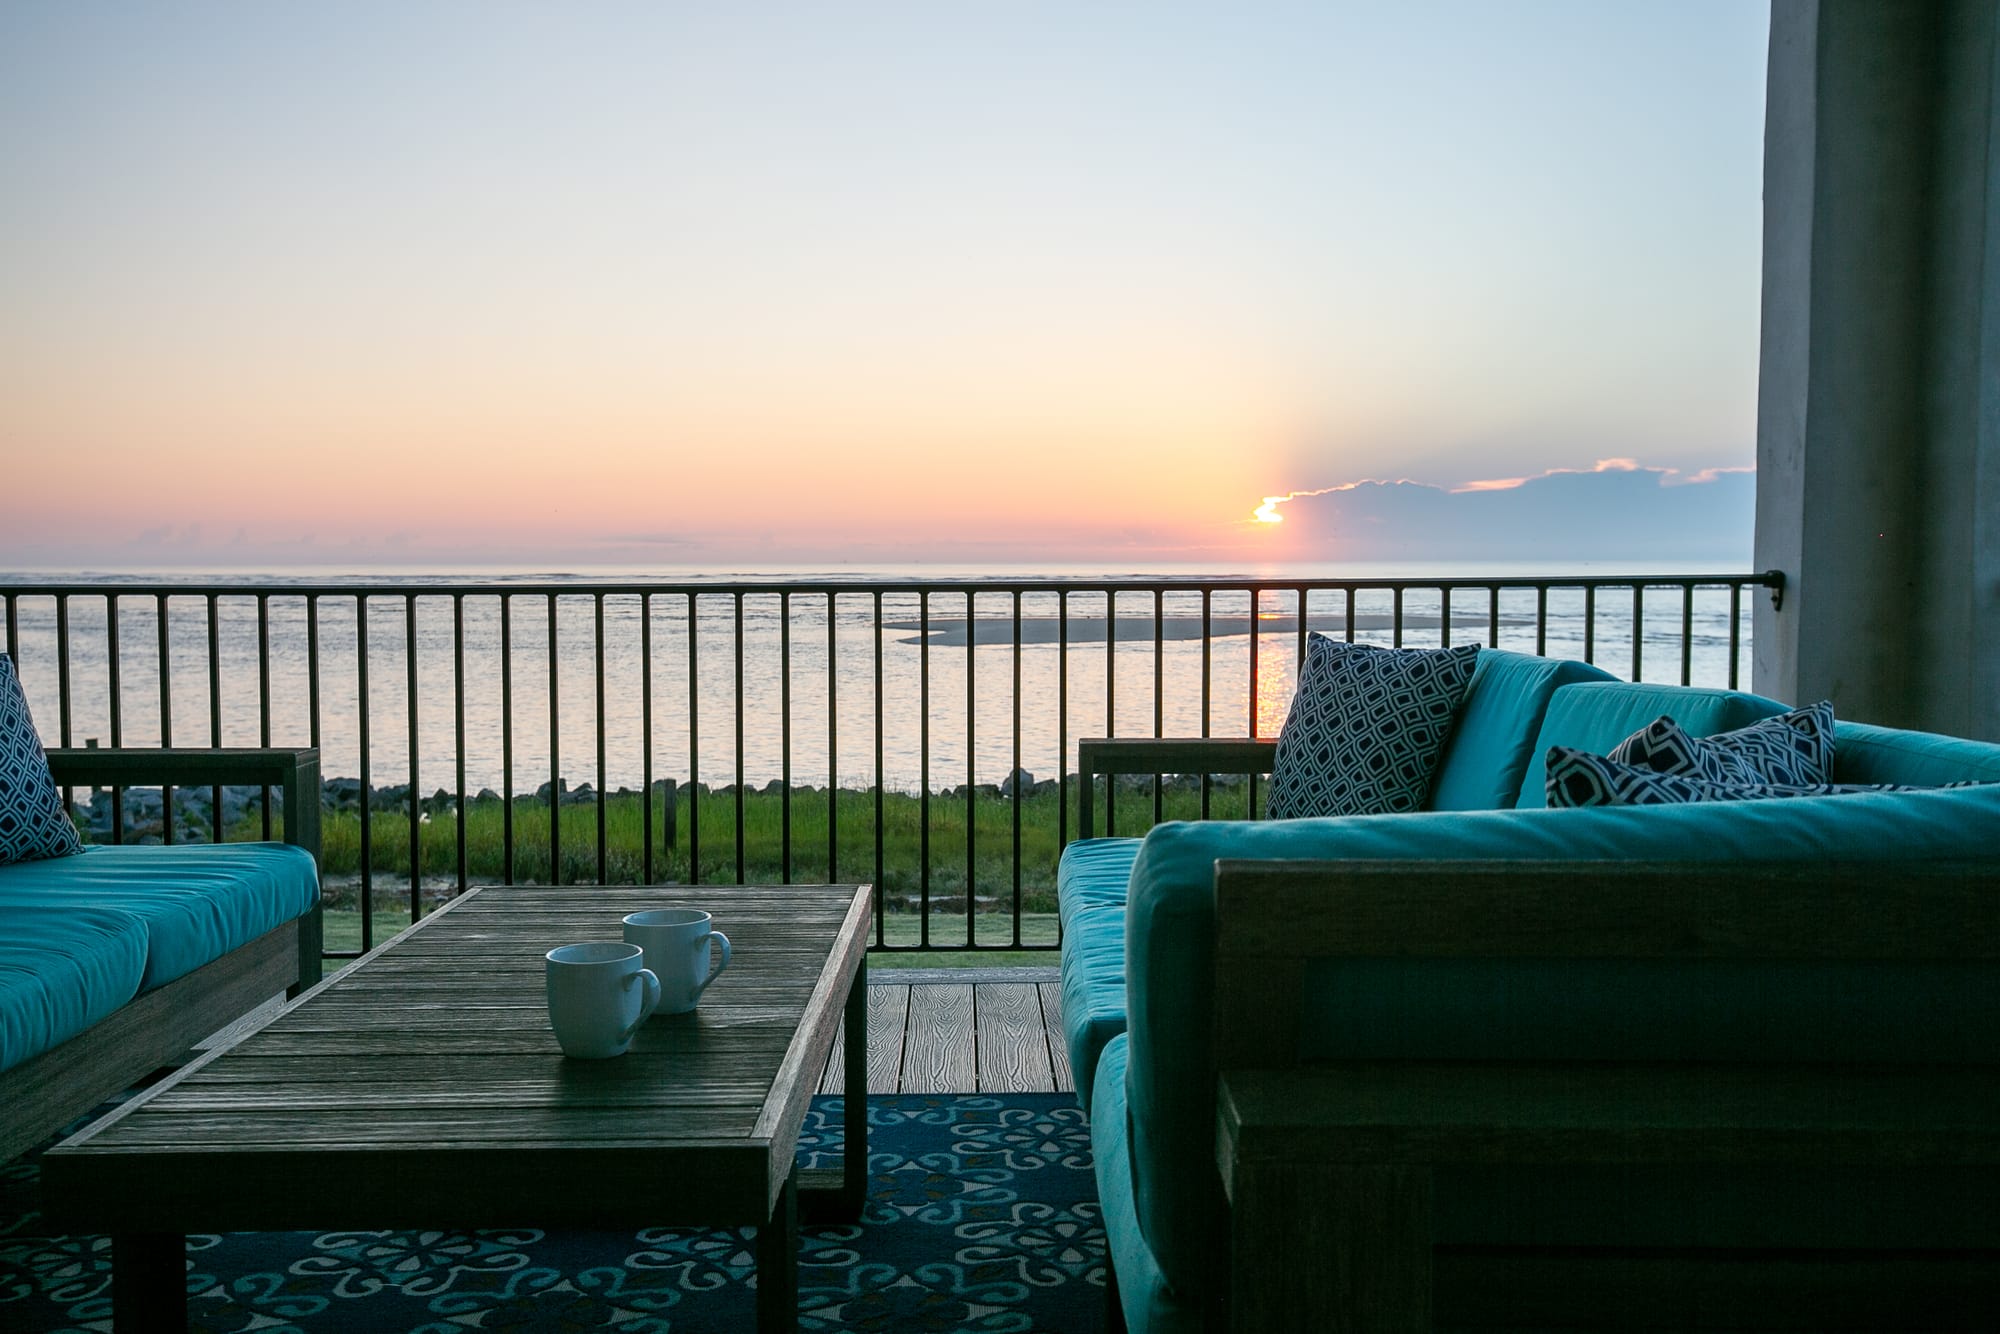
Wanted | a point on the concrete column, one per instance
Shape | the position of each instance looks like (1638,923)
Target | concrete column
(1878,417)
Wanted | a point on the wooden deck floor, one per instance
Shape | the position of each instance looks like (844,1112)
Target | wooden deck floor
(941,1035)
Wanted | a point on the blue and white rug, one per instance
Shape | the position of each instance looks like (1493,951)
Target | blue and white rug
(982,1216)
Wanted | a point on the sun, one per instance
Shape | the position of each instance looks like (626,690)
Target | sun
(1268,511)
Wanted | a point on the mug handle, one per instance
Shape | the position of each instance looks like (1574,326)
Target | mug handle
(717,935)
(651,981)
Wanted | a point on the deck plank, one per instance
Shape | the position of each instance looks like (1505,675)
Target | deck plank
(1065,1080)
(938,1054)
(888,1022)
(1012,1049)
(1012,1031)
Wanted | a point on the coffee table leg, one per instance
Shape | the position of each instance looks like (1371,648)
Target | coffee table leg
(830,1195)
(148,1282)
(854,1143)
(778,1263)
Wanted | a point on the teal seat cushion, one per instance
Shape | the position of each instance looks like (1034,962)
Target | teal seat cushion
(1595,716)
(195,901)
(1093,988)
(1452,1008)
(1493,737)
(1091,880)
(62,970)
(1094,872)
(1867,754)
(1149,1305)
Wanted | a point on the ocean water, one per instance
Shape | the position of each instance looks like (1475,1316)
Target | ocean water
(803,690)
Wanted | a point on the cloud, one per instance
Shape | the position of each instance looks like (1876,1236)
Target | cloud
(1615,510)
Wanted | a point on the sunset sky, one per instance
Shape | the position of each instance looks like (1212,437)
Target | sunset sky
(457,283)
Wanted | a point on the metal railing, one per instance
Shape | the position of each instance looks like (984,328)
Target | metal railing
(632,667)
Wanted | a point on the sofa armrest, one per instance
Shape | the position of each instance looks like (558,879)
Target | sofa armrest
(296,770)
(1163,755)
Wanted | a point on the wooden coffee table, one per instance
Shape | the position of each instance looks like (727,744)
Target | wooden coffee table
(423,1088)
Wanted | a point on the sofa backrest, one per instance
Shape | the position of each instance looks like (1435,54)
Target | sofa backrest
(1863,753)
(1493,737)
(1451,1008)
(1595,716)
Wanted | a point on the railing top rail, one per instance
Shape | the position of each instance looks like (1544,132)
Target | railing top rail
(973,584)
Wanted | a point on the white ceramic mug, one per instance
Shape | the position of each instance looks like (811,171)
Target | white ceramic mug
(599,994)
(676,944)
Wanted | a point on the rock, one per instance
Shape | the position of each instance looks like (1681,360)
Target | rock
(1021,779)
(486,794)
(581,794)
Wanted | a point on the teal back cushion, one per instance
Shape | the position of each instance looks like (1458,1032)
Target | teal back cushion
(1493,737)
(1597,716)
(1867,754)
(1390,1007)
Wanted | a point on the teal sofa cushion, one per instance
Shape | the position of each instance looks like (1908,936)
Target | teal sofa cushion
(1596,716)
(62,970)
(1093,989)
(1454,1009)
(195,901)
(1866,754)
(1150,1307)
(1493,738)
(1094,872)
(1091,882)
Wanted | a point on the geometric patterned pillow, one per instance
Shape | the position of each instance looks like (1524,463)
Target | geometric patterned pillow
(1366,727)
(1579,778)
(1792,749)
(33,823)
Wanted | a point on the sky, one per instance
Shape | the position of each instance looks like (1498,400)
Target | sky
(363,284)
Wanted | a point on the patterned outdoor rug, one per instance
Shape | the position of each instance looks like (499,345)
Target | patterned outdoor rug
(981,1215)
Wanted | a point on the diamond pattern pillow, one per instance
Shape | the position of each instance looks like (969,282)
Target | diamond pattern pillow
(33,823)
(1579,778)
(1792,749)
(1366,728)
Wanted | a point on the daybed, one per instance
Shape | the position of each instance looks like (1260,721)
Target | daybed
(1139,951)
(115,961)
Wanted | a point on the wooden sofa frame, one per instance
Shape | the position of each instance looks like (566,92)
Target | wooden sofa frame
(1111,757)
(1328,1169)
(157,1028)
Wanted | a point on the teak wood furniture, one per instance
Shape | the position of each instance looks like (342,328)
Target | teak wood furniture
(1331,1168)
(39,1096)
(423,1087)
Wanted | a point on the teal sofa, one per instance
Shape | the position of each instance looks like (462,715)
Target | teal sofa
(116,961)
(1139,926)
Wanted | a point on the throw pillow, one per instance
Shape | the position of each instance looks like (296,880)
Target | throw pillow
(33,823)
(1579,778)
(1793,749)
(1366,728)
